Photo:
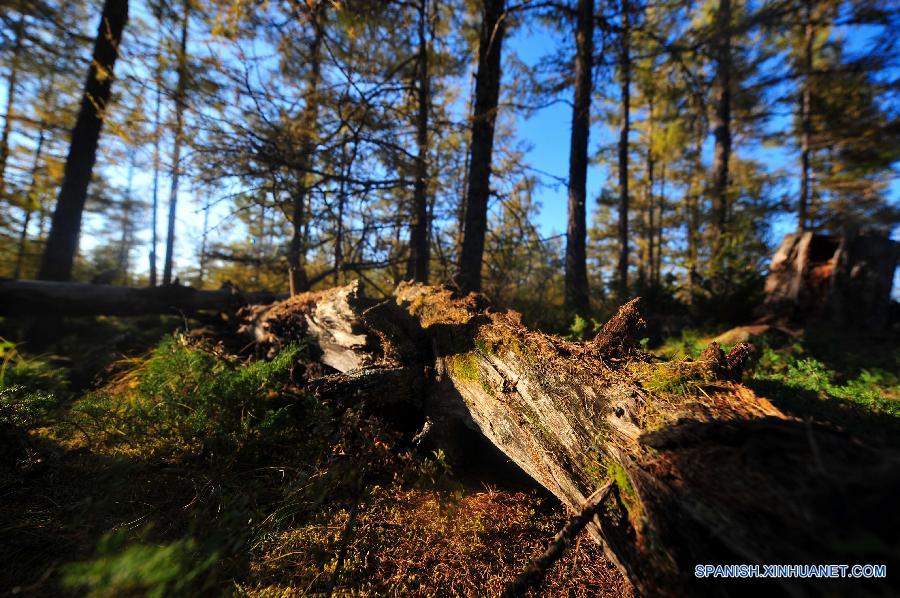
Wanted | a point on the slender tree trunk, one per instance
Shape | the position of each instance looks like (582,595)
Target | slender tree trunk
(127,206)
(722,130)
(651,207)
(659,224)
(806,120)
(180,90)
(299,282)
(419,257)
(623,154)
(26,221)
(157,135)
(487,94)
(693,211)
(62,243)
(203,243)
(11,83)
(576,282)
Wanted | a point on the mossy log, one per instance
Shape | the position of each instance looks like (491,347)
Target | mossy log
(704,471)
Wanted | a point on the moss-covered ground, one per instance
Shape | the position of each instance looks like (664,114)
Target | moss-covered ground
(185,470)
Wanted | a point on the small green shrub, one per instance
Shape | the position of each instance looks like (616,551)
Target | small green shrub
(118,568)
(582,328)
(190,398)
(29,388)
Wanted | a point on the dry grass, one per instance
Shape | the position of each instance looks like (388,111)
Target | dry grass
(427,542)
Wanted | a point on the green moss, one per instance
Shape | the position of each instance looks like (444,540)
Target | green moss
(628,493)
(464,366)
(596,472)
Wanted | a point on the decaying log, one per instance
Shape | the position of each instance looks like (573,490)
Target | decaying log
(41,298)
(845,279)
(704,471)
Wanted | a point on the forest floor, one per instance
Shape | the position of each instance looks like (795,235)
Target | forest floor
(183,468)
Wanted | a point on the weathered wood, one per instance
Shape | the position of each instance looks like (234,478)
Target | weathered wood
(706,473)
(704,470)
(38,297)
(844,279)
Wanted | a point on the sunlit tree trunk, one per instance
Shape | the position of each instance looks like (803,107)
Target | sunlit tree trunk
(29,198)
(651,206)
(157,135)
(299,281)
(180,91)
(418,236)
(806,121)
(11,88)
(722,130)
(576,282)
(487,93)
(623,153)
(62,243)
(127,207)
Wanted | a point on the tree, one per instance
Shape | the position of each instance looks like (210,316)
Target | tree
(487,93)
(419,246)
(576,282)
(722,122)
(11,84)
(62,243)
(625,74)
(180,107)
(299,281)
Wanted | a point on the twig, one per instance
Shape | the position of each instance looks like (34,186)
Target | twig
(537,570)
(345,541)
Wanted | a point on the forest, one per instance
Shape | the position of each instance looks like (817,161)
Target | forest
(449,297)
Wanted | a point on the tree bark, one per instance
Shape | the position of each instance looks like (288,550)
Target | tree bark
(806,120)
(576,282)
(11,83)
(29,198)
(62,243)
(418,235)
(180,91)
(299,281)
(487,94)
(707,474)
(625,58)
(157,138)
(651,224)
(40,298)
(722,129)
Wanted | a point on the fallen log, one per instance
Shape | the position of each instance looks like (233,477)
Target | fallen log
(844,279)
(704,471)
(38,297)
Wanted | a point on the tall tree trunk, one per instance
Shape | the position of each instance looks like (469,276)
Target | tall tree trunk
(180,90)
(806,120)
(659,223)
(127,206)
(62,243)
(11,82)
(418,235)
(722,130)
(487,95)
(693,210)
(623,153)
(157,135)
(32,184)
(651,207)
(299,281)
(576,283)
(203,242)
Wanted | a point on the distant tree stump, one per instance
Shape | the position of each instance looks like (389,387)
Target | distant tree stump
(844,279)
